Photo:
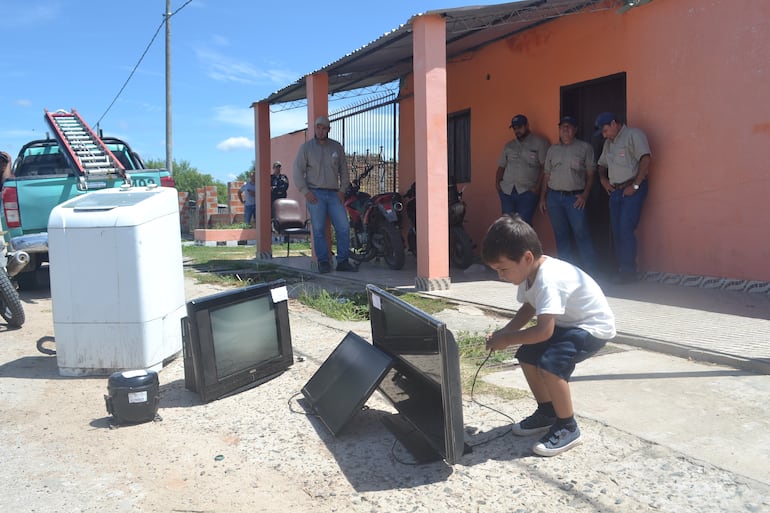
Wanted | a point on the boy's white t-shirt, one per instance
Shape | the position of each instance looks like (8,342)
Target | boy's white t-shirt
(573,297)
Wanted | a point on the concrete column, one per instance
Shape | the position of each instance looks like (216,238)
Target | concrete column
(263,168)
(430,133)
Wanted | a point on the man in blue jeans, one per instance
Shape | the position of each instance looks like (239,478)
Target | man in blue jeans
(321,175)
(623,168)
(568,178)
(520,170)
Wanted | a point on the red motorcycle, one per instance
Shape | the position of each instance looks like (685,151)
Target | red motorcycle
(374,224)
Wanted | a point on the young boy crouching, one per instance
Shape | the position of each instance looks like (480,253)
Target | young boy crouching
(573,322)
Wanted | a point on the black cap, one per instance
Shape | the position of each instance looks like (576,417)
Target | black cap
(519,120)
(568,119)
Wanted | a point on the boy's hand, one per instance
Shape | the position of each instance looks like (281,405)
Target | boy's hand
(496,341)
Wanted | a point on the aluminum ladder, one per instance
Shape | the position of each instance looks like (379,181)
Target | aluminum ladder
(84,149)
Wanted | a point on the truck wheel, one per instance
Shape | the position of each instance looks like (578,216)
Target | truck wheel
(10,303)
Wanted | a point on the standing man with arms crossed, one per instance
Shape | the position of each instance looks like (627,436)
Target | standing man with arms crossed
(520,170)
(623,168)
(568,178)
(279,184)
(321,175)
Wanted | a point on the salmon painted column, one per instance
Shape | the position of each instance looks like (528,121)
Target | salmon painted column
(430,141)
(262,167)
(317,86)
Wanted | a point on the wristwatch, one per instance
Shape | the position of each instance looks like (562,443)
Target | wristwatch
(636,186)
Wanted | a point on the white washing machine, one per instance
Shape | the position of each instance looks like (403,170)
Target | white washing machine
(117,283)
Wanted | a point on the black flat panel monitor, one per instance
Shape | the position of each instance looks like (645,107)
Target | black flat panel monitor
(424,384)
(343,383)
(236,339)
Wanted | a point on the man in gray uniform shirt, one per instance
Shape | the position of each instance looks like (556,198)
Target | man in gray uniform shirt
(623,167)
(321,175)
(568,178)
(520,170)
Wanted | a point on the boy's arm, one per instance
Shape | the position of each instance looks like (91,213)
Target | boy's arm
(512,334)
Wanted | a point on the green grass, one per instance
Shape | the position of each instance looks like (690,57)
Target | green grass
(343,307)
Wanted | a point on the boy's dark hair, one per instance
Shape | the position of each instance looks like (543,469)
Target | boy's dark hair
(510,237)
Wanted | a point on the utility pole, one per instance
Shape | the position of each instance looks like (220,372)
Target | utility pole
(169,139)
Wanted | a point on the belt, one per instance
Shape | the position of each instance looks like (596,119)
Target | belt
(623,185)
(324,189)
(578,191)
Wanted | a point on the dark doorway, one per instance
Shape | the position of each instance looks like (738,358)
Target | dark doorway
(585,101)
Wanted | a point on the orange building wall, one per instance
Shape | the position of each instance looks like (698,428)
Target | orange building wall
(697,84)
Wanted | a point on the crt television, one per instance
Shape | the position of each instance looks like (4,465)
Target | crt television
(424,383)
(343,383)
(236,339)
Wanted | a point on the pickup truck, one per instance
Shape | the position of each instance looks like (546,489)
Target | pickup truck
(41,179)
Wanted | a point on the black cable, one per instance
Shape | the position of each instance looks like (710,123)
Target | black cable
(473,400)
(165,19)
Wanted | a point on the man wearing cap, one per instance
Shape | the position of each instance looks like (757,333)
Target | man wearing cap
(623,167)
(568,178)
(520,170)
(279,184)
(248,196)
(321,175)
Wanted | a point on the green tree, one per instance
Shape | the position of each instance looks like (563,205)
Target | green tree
(188,178)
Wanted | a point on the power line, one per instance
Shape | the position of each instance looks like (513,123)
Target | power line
(165,19)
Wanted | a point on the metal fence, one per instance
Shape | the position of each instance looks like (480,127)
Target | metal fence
(368,131)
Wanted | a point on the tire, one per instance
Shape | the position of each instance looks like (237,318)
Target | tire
(360,252)
(10,303)
(460,247)
(392,246)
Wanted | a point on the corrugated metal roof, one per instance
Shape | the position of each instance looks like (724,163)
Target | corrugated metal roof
(389,57)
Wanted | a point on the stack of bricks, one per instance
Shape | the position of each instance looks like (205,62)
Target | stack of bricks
(184,212)
(234,204)
(207,204)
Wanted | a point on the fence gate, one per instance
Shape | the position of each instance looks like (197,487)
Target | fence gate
(368,132)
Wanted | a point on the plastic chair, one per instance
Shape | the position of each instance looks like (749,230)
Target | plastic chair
(289,220)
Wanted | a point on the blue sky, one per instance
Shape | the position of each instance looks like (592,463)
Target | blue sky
(226,54)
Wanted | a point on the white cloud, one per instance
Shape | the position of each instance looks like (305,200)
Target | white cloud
(236,143)
(223,68)
(23,102)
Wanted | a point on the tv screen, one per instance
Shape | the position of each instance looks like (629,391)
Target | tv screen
(343,383)
(236,339)
(424,383)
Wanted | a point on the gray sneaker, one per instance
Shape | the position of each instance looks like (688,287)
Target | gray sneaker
(557,441)
(535,423)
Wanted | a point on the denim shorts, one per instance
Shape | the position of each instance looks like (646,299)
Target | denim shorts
(559,354)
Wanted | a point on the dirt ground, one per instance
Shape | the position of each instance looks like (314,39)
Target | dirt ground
(259,451)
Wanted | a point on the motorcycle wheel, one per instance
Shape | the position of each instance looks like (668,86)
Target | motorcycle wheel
(10,303)
(460,247)
(392,246)
(360,252)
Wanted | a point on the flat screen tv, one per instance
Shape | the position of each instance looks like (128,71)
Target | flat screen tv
(236,339)
(424,383)
(345,380)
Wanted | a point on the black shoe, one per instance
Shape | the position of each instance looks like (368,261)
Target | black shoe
(324,267)
(535,423)
(347,267)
